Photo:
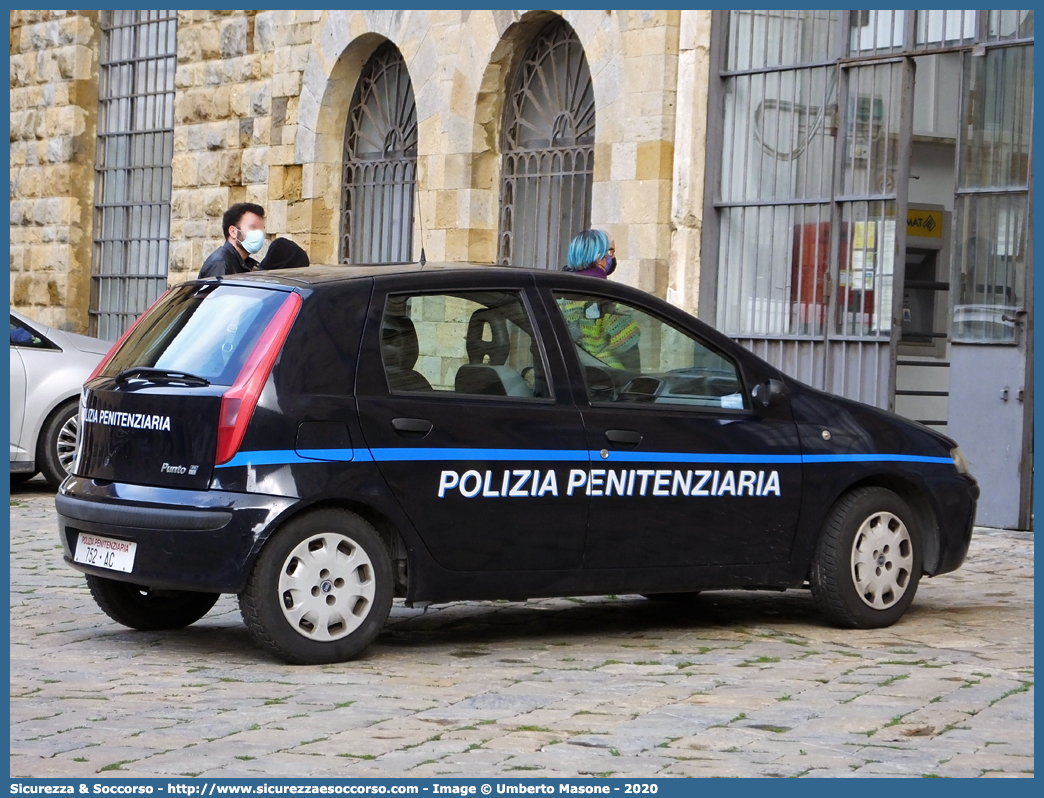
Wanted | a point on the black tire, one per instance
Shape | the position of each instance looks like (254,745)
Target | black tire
(58,434)
(147,609)
(688,595)
(877,591)
(345,594)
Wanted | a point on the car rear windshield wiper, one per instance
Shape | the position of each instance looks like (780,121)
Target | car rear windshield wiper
(160,375)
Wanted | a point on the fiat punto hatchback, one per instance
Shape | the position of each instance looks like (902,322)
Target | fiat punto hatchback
(321,441)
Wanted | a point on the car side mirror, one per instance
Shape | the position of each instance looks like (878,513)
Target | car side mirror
(769,394)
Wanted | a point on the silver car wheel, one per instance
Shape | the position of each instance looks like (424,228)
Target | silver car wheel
(326,587)
(65,445)
(882,560)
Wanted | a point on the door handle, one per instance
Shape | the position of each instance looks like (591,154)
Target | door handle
(420,426)
(625,437)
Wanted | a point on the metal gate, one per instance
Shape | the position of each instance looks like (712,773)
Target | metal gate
(548,145)
(380,163)
(804,264)
(132,185)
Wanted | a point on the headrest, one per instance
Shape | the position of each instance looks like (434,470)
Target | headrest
(399,346)
(497,346)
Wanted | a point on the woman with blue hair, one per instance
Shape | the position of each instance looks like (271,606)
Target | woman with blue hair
(592,253)
(600,329)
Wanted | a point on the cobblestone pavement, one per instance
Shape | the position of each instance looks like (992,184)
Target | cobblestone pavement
(732,684)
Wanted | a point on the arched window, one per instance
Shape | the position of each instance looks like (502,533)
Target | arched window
(548,146)
(380,163)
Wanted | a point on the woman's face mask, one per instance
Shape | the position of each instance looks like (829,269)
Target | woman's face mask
(252,241)
(610,261)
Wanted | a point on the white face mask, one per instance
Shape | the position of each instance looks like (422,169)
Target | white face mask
(252,241)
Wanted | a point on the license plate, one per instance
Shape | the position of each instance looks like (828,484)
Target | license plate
(116,555)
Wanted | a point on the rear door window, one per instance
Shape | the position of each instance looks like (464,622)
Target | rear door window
(207,331)
(479,343)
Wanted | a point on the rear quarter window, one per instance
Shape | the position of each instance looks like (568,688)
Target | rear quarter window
(320,352)
(208,331)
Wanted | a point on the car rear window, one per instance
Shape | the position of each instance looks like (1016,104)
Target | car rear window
(207,331)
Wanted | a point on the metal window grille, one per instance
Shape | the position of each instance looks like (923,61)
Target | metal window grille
(132,172)
(548,146)
(380,163)
(994,214)
(1007,26)
(806,193)
(815,139)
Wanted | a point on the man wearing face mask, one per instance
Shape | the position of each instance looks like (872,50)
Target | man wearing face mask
(244,226)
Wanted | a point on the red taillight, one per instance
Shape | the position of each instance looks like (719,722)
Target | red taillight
(239,401)
(112,350)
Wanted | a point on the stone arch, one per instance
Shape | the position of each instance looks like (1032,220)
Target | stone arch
(319,147)
(344,42)
(547,149)
(459,114)
(515,34)
(599,34)
(380,163)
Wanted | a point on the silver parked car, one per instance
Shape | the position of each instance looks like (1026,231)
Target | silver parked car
(48,369)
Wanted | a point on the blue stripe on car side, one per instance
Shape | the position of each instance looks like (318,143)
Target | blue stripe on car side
(401,455)
(264,458)
(289,456)
(693,457)
(391,455)
(874,458)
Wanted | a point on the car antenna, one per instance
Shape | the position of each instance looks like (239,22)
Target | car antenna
(420,219)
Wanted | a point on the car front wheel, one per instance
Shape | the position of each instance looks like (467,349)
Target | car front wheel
(867,564)
(321,589)
(148,609)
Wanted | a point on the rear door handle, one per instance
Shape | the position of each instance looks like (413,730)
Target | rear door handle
(416,425)
(623,436)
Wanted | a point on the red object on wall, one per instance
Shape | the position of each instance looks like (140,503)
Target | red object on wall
(810,262)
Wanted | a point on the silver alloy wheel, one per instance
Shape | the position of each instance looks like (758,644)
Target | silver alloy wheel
(65,444)
(326,587)
(882,560)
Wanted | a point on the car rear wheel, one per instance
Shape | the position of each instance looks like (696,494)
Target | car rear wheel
(867,564)
(148,609)
(56,450)
(321,589)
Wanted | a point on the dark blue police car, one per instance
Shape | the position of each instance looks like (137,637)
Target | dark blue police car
(323,440)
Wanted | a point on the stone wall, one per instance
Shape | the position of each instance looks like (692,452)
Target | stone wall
(261,100)
(222,128)
(54,111)
(690,134)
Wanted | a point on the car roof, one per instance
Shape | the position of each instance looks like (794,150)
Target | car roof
(317,274)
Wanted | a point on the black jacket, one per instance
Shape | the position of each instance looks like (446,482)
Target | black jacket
(225,260)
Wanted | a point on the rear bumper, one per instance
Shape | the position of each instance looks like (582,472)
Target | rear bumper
(186,540)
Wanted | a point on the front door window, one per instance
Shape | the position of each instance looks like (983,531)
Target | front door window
(629,355)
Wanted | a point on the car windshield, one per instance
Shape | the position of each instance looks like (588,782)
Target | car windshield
(207,331)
